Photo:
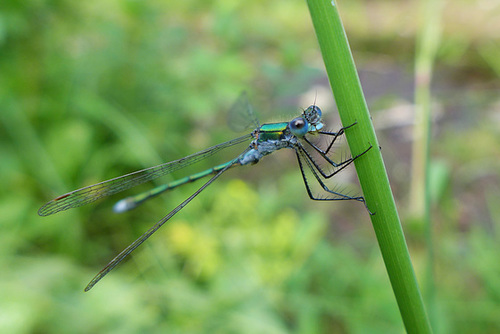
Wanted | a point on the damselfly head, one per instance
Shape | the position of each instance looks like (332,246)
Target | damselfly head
(313,116)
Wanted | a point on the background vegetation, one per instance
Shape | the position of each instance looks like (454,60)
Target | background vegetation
(91,90)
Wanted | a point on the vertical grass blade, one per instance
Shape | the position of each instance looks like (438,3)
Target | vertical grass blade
(428,38)
(371,171)
(429,35)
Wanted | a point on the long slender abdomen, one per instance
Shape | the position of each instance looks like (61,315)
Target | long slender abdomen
(132,202)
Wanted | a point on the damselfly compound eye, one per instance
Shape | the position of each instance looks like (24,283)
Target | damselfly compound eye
(299,126)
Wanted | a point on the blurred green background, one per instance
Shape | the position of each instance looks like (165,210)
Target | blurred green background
(95,89)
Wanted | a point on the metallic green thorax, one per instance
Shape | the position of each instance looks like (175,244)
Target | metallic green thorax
(272,131)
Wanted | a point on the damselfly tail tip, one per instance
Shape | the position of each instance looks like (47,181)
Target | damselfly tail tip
(123,205)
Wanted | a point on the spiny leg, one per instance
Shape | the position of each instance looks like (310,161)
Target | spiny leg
(342,164)
(335,135)
(304,160)
(324,153)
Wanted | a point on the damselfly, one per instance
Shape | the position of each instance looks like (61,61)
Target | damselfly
(264,140)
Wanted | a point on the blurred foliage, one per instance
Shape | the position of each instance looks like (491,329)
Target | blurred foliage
(91,90)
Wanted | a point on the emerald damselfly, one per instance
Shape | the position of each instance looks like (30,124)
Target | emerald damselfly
(264,140)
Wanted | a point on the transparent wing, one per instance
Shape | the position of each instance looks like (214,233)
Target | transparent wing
(241,115)
(119,258)
(92,193)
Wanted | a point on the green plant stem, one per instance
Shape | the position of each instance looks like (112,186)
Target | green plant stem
(370,168)
(428,41)
(428,38)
